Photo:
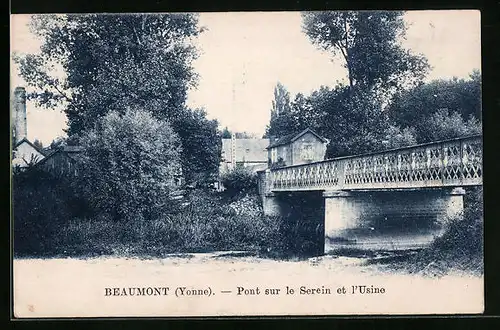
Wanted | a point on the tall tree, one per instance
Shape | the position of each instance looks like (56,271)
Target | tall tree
(368,43)
(281,122)
(112,62)
(463,96)
(201,139)
(281,102)
(353,122)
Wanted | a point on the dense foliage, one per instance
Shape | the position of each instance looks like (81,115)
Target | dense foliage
(226,134)
(458,95)
(440,109)
(357,122)
(368,42)
(111,61)
(201,145)
(51,221)
(42,204)
(129,166)
(353,122)
(92,64)
(239,180)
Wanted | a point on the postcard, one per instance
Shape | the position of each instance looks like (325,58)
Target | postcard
(246,164)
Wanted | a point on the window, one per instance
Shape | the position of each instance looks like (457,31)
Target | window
(307,151)
(274,155)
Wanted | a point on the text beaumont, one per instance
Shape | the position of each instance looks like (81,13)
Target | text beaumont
(145,291)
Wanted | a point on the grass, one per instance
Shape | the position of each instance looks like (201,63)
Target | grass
(210,223)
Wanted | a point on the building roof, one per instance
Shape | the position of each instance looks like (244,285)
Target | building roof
(248,150)
(25,140)
(52,154)
(257,167)
(69,151)
(72,148)
(294,136)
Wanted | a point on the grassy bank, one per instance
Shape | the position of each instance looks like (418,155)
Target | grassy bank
(211,222)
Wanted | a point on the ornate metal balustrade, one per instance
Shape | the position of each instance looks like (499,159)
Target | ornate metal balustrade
(450,163)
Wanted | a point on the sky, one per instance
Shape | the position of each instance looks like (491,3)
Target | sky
(244,55)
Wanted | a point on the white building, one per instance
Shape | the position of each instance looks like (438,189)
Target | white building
(24,153)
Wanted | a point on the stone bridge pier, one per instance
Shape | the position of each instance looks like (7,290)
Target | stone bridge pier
(304,214)
(388,220)
(375,219)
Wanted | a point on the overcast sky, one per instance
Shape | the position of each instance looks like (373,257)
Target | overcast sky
(244,55)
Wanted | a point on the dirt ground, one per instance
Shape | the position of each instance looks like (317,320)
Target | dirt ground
(77,287)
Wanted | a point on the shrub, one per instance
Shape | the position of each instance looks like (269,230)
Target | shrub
(41,205)
(395,137)
(49,222)
(446,124)
(463,234)
(240,180)
(129,165)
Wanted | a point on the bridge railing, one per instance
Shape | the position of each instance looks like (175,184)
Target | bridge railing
(456,162)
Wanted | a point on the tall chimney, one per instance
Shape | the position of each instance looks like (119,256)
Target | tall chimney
(19,114)
(233,150)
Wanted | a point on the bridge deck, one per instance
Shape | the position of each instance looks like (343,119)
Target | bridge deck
(449,163)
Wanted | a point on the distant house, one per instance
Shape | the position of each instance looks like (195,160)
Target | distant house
(249,153)
(61,161)
(299,148)
(25,154)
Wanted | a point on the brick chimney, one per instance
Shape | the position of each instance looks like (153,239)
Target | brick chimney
(19,114)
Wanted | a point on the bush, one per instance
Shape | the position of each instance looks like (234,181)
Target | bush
(463,235)
(129,165)
(211,222)
(240,180)
(395,137)
(42,204)
(445,124)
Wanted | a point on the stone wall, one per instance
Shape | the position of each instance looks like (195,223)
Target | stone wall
(388,219)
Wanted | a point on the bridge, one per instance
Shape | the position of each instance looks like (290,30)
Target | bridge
(394,198)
